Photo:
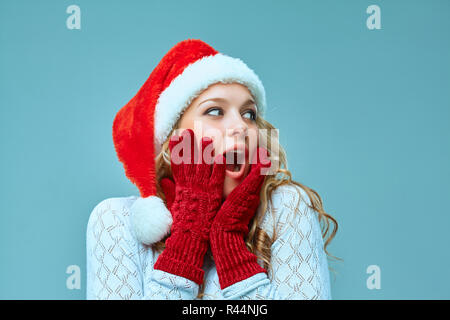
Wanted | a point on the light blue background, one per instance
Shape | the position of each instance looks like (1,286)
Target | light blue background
(364,116)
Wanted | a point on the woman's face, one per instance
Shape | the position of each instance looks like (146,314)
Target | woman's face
(226,113)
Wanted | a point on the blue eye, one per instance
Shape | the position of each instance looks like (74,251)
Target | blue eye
(250,114)
(214,112)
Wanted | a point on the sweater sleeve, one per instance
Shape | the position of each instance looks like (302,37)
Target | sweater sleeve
(119,267)
(299,268)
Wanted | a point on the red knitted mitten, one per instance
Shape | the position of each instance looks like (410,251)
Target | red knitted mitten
(233,260)
(198,195)
(168,187)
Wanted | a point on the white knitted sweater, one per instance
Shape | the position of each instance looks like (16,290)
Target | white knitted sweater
(120,267)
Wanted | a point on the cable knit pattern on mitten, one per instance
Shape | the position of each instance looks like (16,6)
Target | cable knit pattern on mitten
(198,195)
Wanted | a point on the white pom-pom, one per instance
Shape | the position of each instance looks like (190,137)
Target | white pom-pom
(151,220)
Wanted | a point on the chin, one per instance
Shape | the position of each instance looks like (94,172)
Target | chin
(228,186)
(230,183)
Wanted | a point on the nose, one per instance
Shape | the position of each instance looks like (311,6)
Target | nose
(237,126)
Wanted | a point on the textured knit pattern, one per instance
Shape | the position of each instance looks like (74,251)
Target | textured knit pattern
(120,267)
(198,195)
(233,260)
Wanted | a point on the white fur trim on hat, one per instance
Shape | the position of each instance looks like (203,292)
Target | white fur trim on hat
(195,78)
(151,220)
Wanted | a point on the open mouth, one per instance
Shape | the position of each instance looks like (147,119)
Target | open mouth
(235,162)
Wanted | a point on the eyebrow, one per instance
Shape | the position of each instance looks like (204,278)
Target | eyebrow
(246,103)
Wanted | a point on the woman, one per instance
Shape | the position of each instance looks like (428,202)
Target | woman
(219,216)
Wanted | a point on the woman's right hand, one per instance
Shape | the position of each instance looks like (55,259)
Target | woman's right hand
(198,197)
(198,186)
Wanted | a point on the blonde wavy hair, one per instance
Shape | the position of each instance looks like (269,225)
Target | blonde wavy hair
(257,240)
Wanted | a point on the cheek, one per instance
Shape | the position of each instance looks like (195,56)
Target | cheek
(187,121)
(203,128)
(215,132)
(253,142)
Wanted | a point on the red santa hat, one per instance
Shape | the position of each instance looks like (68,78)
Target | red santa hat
(144,123)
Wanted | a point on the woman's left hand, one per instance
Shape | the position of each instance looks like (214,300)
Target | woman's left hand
(234,262)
